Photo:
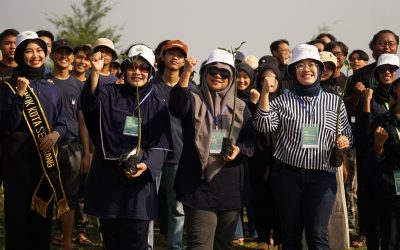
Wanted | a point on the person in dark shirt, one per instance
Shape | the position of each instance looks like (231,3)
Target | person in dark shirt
(81,64)
(48,37)
(213,187)
(340,51)
(23,170)
(74,155)
(385,160)
(126,201)
(384,41)
(375,102)
(266,215)
(7,47)
(169,68)
(7,66)
(358,59)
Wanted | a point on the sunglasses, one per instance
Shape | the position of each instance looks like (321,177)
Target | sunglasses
(223,73)
(390,68)
(143,68)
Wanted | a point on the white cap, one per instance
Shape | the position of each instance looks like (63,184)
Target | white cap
(144,52)
(222,56)
(391,59)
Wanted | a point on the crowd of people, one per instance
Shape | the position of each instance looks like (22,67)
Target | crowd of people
(290,138)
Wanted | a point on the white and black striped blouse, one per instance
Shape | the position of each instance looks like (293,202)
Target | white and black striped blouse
(286,116)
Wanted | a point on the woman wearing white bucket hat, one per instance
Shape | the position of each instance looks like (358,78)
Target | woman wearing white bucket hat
(212,186)
(374,103)
(303,180)
(386,164)
(121,187)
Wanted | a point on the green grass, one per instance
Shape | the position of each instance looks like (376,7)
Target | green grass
(94,235)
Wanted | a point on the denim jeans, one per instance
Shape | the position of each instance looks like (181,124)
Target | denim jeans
(305,200)
(176,215)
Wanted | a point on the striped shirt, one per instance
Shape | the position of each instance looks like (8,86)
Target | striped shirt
(287,115)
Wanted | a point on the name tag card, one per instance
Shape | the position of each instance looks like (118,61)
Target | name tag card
(309,136)
(131,126)
(216,141)
(396,174)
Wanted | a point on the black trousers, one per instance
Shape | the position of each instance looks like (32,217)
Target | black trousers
(124,234)
(25,229)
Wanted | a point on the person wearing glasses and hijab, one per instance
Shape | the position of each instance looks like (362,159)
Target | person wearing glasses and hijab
(123,193)
(303,179)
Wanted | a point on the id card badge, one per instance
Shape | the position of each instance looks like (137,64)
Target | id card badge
(216,141)
(396,174)
(309,136)
(131,126)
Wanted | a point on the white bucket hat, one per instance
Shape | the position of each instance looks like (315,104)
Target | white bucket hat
(391,59)
(304,51)
(105,42)
(386,59)
(145,52)
(222,56)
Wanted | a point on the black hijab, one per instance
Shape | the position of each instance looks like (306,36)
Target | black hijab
(244,95)
(301,90)
(24,70)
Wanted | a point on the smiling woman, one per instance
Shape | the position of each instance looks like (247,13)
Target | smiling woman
(33,120)
(128,202)
(304,121)
(212,186)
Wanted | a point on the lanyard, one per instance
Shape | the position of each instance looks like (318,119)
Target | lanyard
(144,98)
(310,113)
(217,118)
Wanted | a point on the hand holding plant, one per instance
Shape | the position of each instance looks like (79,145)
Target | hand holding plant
(227,142)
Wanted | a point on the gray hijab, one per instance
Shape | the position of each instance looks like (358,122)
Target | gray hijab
(208,106)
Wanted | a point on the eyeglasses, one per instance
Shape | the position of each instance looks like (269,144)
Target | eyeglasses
(391,44)
(338,54)
(143,68)
(390,68)
(223,73)
(303,66)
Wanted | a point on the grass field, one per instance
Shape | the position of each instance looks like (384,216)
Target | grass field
(94,235)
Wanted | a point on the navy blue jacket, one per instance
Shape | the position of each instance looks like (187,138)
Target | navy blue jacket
(106,195)
(229,189)
(50,98)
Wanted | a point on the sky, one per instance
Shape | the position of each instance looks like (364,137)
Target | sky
(208,24)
